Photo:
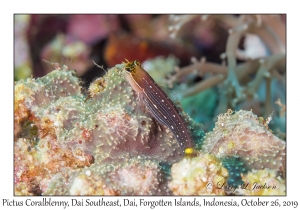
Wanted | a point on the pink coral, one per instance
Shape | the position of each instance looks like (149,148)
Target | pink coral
(138,178)
(245,135)
(89,183)
(90,28)
(100,132)
(74,51)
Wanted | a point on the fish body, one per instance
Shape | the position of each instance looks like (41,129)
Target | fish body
(159,104)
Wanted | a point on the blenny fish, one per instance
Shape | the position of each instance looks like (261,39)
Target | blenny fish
(159,104)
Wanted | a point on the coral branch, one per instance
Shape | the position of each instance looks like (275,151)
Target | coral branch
(270,39)
(209,82)
(276,25)
(268,104)
(243,71)
(282,107)
(235,35)
(229,20)
(176,22)
(201,67)
(264,70)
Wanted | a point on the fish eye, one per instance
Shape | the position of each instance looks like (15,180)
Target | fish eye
(128,69)
(131,66)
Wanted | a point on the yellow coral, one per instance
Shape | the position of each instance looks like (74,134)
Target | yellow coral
(198,176)
(263,182)
(97,86)
(21,188)
(20,110)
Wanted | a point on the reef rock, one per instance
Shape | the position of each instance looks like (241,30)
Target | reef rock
(244,135)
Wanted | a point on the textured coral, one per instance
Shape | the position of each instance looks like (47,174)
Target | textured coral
(198,176)
(116,177)
(107,143)
(244,135)
(29,172)
(263,182)
(49,103)
(83,184)
(109,127)
(79,182)
(124,126)
(138,178)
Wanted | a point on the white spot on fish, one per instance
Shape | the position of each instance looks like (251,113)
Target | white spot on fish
(162,100)
(173,115)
